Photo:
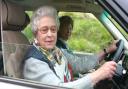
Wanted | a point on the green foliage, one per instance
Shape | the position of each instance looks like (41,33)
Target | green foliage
(82,45)
(27,30)
(28,33)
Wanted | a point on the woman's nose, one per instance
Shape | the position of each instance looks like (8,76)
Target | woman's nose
(49,33)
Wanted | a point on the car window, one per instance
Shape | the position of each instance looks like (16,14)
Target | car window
(27,31)
(88,35)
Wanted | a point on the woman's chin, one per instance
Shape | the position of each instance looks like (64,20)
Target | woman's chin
(49,47)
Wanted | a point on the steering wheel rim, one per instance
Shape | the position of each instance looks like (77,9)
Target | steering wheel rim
(116,55)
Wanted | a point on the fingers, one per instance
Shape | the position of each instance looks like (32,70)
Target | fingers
(111,71)
(107,70)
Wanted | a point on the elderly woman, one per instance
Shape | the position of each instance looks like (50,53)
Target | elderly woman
(48,64)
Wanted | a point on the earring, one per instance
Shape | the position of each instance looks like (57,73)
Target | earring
(35,40)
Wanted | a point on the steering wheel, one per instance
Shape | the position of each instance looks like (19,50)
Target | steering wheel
(116,56)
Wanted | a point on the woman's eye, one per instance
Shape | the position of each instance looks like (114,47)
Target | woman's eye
(43,30)
(53,30)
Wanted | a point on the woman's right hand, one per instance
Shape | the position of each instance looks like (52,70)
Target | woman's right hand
(106,71)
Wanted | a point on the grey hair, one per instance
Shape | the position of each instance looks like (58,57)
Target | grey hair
(41,12)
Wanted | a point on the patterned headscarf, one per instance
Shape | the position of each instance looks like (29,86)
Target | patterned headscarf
(54,54)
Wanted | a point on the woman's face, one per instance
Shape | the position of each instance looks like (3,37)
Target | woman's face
(46,34)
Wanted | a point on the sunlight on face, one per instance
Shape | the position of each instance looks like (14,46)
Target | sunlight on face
(47,33)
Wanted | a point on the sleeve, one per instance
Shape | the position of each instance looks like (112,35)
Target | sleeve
(81,64)
(39,71)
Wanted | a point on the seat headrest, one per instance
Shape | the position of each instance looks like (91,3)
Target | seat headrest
(13,17)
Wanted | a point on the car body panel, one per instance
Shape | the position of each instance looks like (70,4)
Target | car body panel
(14,83)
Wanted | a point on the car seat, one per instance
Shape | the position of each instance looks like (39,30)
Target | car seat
(14,42)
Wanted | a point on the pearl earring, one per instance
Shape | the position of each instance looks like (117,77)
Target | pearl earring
(35,40)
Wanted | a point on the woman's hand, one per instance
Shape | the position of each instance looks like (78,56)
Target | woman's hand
(106,71)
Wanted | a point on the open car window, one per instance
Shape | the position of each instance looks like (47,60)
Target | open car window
(88,34)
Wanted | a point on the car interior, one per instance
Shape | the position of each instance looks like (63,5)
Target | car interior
(14,19)
(12,38)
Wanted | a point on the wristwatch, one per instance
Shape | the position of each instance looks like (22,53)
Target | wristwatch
(106,52)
